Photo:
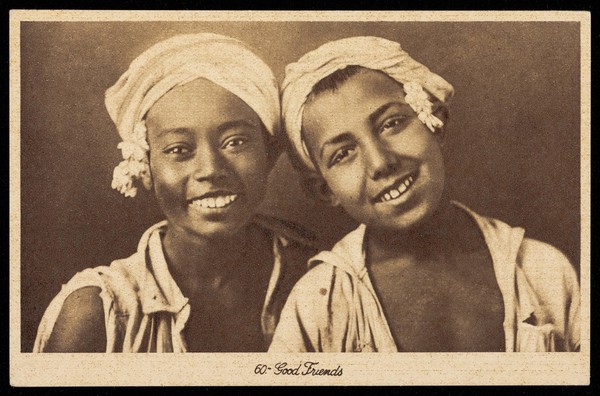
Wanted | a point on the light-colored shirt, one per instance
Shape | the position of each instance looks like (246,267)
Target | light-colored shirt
(334,307)
(144,309)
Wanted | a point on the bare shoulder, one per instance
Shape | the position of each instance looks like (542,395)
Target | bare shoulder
(80,324)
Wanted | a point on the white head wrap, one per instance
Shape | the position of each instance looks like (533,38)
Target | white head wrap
(222,60)
(370,52)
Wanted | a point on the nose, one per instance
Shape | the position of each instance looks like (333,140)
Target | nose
(209,164)
(380,161)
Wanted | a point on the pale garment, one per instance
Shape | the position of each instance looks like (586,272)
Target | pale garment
(334,307)
(144,309)
(178,60)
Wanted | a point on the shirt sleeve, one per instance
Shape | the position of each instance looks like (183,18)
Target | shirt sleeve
(304,318)
(555,287)
(290,335)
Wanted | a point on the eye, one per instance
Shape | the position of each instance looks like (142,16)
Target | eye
(340,155)
(178,150)
(393,123)
(235,142)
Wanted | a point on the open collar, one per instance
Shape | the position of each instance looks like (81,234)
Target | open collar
(158,290)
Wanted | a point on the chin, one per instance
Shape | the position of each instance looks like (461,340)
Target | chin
(217,230)
(408,221)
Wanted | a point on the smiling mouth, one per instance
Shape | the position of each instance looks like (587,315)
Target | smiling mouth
(213,202)
(397,190)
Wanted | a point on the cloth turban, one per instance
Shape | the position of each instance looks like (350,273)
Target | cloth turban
(222,60)
(370,52)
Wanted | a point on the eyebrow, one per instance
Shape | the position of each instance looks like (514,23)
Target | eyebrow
(382,109)
(372,119)
(179,131)
(220,129)
(235,124)
(335,140)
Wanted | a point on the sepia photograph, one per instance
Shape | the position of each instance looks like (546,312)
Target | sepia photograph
(253,198)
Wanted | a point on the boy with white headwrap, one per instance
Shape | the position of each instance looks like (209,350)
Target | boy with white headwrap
(199,117)
(421,273)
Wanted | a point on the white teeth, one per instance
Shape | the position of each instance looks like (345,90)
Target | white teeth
(396,192)
(214,203)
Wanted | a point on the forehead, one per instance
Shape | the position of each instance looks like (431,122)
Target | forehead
(353,101)
(198,103)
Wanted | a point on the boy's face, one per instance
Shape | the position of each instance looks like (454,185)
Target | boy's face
(379,161)
(208,159)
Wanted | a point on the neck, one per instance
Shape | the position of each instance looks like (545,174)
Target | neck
(422,239)
(194,259)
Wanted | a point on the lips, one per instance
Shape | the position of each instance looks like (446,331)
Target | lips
(213,200)
(397,189)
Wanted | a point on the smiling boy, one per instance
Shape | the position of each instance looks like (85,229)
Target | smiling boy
(199,118)
(421,273)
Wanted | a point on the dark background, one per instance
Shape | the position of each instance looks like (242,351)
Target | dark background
(513,149)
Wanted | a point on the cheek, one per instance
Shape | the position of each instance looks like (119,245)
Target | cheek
(415,141)
(345,184)
(436,161)
(165,179)
(253,170)
(436,172)
(421,144)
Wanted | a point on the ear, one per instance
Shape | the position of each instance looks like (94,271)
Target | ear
(316,186)
(440,133)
